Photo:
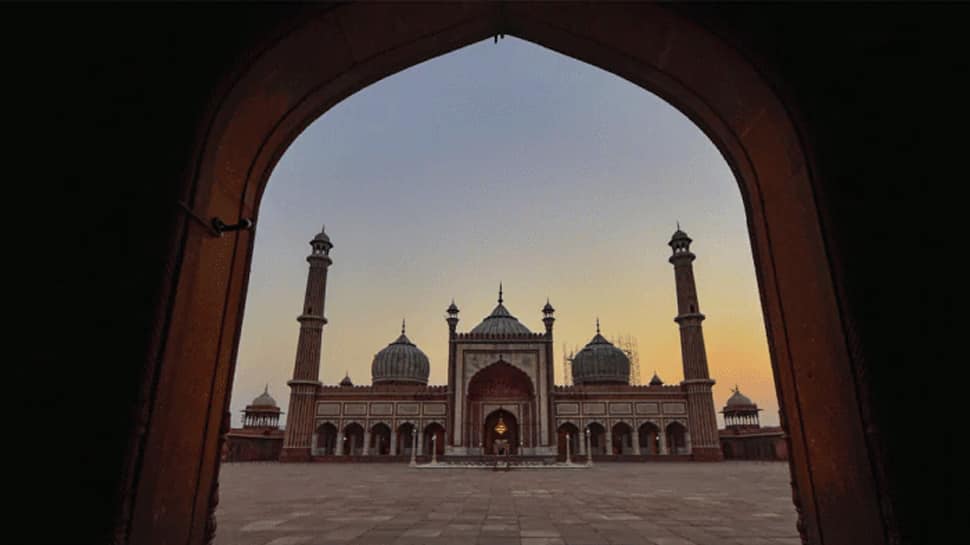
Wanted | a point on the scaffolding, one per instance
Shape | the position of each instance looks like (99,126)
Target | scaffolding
(628,344)
(567,365)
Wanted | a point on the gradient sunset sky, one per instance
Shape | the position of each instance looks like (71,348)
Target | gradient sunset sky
(503,163)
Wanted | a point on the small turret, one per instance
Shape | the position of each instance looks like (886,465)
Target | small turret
(452,319)
(547,317)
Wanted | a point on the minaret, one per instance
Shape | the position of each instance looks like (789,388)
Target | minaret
(702,425)
(306,371)
(452,355)
(548,319)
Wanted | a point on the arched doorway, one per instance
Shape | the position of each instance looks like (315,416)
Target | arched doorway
(326,439)
(353,439)
(622,438)
(282,84)
(380,440)
(676,438)
(434,437)
(405,439)
(500,387)
(501,433)
(569,432)
(649,437)
(597,438)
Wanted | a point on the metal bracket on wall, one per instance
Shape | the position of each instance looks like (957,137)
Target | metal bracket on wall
(216,226)
(221,227)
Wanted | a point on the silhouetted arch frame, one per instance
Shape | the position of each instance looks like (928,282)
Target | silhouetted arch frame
(333,51)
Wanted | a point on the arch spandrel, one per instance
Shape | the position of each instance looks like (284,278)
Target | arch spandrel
(476,362)
(500,379)
(560,423)
(375,423)
(645,421)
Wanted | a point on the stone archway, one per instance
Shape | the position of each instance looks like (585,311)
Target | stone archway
(597,438)
(500,386)
(330,52)
(649,437)
(621,437)
(353,439)
(676,437)
(569,434)
(326,439)
(434,439)
(406,439)
(380,440)
(501,433)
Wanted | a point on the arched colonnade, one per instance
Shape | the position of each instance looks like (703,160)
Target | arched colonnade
(621,439)
(377,439)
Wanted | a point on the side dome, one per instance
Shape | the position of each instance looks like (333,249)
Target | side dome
(599,362)
(501,322)
(401,361)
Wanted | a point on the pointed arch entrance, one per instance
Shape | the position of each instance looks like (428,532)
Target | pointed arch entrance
(295,72)
(501,433)
(501,390)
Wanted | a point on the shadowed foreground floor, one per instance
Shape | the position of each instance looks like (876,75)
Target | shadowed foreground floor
(730,503)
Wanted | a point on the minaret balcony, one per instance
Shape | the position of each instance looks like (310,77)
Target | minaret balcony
(690,316)
(311,318)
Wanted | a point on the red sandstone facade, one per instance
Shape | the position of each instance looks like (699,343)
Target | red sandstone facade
(501,399)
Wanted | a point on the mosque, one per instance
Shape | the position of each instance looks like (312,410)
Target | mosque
(501,398)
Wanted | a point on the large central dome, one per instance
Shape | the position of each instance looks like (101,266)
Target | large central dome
(599,362)
(501,322)
(401,361)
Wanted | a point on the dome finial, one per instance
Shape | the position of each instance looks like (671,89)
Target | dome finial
(597,325)
(402,326)
(500,293)
(266,389)
(678,225)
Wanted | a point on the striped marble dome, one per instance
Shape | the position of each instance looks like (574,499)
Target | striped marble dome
(401,361)
(601,362)
(501,321)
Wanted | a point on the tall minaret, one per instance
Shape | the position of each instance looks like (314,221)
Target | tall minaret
(306,371)
(548,319)
(452,320)
(702,427)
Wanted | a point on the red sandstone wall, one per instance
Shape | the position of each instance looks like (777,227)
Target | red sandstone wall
(253,449)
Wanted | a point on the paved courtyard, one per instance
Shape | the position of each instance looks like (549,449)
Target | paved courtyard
(732,503)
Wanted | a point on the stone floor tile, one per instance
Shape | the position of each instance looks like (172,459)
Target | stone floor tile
(543,541)
(498,540)
(422,532)
(538,533)
(290,540)
(655,504)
